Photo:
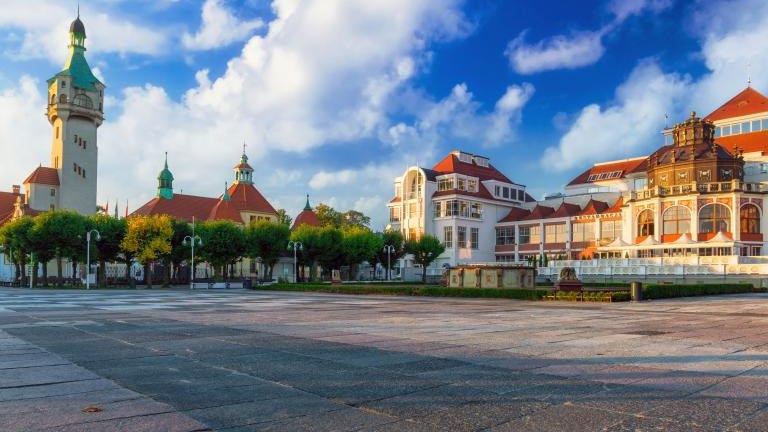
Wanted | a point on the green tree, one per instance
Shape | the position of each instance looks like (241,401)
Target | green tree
(107,248)
(179,251)
(284,218)
(148,238)
(223,244)
(64,232)
(425,250)
(328,216)
(269,241)
(394,239)
(359,245)
(15,239)
(320,246)
(354,219)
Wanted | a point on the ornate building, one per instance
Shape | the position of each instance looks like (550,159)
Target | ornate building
(75,111)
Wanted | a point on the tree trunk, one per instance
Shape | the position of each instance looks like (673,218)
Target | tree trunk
(424,274)
(16,267)
(102,274)
(148,274)
(167,274)
(34,273)
(45,275)
(59,271)
(129,276)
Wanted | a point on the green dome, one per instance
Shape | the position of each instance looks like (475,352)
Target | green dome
(165,181)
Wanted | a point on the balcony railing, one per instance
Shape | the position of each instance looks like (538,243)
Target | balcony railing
(712,187)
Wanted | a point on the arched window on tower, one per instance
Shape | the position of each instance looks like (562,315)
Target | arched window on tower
(53,99)
(714,218)
(750,219)
(645,223)
(63,98)
(677,220)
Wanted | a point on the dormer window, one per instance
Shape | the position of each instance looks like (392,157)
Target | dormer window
(481,161)
(466,158)
(63,84)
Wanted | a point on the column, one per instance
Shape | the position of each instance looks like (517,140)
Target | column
(541,239)
(517,243)
(568,236)
(736,217)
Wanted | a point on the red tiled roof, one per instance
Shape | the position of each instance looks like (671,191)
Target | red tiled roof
(748,142)
(594,207)
(243,165)
(539,212)
(43,175)
(246,197)
(515,214)
(182,207)
(451,164)
(616,207)
(225,210)
(626,166)
(748,101)
(565,210)
(306,217)
(395,200)
(7,206)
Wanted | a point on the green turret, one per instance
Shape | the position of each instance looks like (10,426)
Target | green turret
(165,181)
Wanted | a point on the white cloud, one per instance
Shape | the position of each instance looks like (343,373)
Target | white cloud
(578,49)
(558,52)
(45,35)
(629,126)
(220,27)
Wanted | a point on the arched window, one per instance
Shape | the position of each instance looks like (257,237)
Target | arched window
(645,223)
(750,219)
(714,218)
(53,99)
(63,99)
(677,220)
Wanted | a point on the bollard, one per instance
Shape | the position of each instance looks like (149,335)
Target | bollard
(636,289)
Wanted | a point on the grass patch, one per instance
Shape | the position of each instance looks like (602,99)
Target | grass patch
(660,291)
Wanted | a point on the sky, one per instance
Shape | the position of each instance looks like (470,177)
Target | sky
(335,98)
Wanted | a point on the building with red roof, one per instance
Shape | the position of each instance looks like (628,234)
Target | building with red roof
(240,203)
(306,217)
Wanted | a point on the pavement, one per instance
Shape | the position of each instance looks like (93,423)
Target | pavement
(181,361)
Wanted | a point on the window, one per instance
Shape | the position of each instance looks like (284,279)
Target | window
(85,145)
(448,237)
(463,209)
(714,218)
(483,162)
(505,193)
(745,127)
(476,211)
(394,214)
(462,184)
(465,157)
(474,238)
(726,131)
(718,131)
(750,219)
(592,177)
(52,207)
(53,192)
(525,235)
(583,232)
(63,84)
(75,139)
(445,184)
(462,237)
(735,129)
(520,195)
(497,191)
(554,233)
(452,208)
(505,236)
(765,124)
(437,209)
(83,173)
(645,223)
(677,220)
(57,132)
(757,126)
(610,230)
(412,210)
(74,167)
(472,185)
(535,231)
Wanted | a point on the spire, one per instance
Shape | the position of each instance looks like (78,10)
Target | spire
(165,181)
(307,206)
(226,196)
(116,216)
(243,171)
(749,74)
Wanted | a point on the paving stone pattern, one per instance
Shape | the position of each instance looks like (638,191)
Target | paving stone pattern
(172,360)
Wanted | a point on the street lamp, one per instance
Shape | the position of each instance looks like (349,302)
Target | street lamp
(389,249)
(296,246)
(88,256)
(192,240)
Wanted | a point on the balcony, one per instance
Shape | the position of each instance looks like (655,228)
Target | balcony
(703,188)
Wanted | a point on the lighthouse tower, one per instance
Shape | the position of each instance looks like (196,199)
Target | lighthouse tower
(75,111)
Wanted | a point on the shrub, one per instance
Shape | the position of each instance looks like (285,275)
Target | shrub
(654,291)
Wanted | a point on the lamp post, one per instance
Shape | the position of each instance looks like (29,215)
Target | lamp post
(192,240)
(296,246)
(88,256)
(389,249)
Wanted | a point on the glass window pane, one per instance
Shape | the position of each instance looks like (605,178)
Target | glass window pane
(765,124)
(735,129)
(726,130)
(757,126)
(718,130)
(745,127)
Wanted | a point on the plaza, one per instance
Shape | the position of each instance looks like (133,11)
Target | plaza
(172,360)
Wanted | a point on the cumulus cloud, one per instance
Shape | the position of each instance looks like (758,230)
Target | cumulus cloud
(577,49)
(629,126)
(220,27)
(24,132)
(44,35)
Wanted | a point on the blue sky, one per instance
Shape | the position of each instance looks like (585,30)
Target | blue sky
(335,98)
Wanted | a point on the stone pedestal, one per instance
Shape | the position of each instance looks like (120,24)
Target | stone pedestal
(569,285)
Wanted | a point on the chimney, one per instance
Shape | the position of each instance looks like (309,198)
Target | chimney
(16,189)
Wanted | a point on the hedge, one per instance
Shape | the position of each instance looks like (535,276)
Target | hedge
(412,290)
(657,291)
(590,296)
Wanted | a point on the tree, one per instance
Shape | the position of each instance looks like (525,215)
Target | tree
(107,248)
(179,251)
(284,218)
(64,233)
(354,219)
(394,239)
(223,244)
(148,238)
(15,240)
(359,245)
(320,246)
(328,216)
(269,241)
(425,250)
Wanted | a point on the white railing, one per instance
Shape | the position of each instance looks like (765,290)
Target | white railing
(710,187)
(662,266)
